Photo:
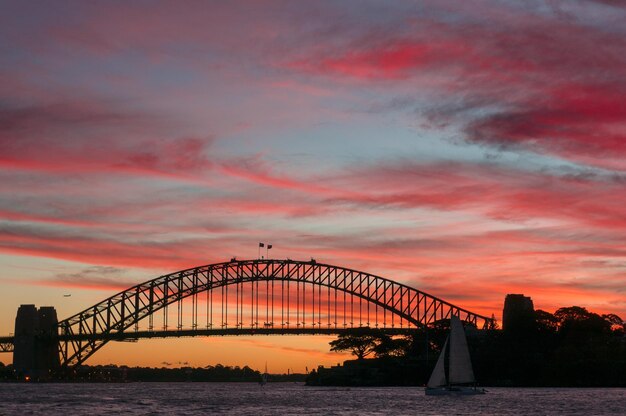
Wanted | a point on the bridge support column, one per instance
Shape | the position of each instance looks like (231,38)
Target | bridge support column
(35,354)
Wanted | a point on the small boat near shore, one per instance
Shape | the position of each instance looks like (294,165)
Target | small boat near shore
(264,376)
(453,374)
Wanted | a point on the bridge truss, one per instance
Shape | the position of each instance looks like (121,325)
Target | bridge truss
(253,297)
(6,344)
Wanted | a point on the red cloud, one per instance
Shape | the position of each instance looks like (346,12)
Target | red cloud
(580,122)
(257,171)
(395,60)
(499,192)
(531,80)
(97,136)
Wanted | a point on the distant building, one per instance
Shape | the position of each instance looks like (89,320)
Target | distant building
(518,314)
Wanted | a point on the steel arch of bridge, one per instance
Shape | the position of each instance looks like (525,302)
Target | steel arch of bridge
(84,333)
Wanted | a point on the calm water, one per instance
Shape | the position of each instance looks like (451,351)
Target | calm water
(295,399)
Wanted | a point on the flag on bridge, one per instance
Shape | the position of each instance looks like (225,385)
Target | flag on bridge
(261,245)
(269,246)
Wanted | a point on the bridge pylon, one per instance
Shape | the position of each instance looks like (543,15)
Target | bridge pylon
(35,344)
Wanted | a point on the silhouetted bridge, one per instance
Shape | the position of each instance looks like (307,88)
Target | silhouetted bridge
(239,297)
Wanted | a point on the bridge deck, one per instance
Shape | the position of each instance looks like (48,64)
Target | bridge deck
(133,335)
(6,343)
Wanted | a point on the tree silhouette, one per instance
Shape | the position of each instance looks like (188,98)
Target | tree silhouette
(393,347)
(578,320)
(360,342)
(545,321)
(617,325)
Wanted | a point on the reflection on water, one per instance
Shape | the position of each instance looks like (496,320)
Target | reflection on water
(296,399)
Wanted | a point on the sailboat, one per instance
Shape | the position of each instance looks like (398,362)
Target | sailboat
(459,379)
(264,377)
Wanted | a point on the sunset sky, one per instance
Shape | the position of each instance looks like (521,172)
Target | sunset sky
(469,149)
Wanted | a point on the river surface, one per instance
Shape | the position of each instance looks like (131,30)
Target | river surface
(295,399)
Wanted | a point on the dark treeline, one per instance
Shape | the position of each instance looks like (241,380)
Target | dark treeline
(113,373)
(572,347)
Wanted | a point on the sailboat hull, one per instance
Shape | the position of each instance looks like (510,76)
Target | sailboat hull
(453,391)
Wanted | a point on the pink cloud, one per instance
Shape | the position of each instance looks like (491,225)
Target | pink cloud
(499,192)
(395,60)
(257,171)
(560,93)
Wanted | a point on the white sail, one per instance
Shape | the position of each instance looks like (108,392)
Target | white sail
(438,377)
(460,363)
